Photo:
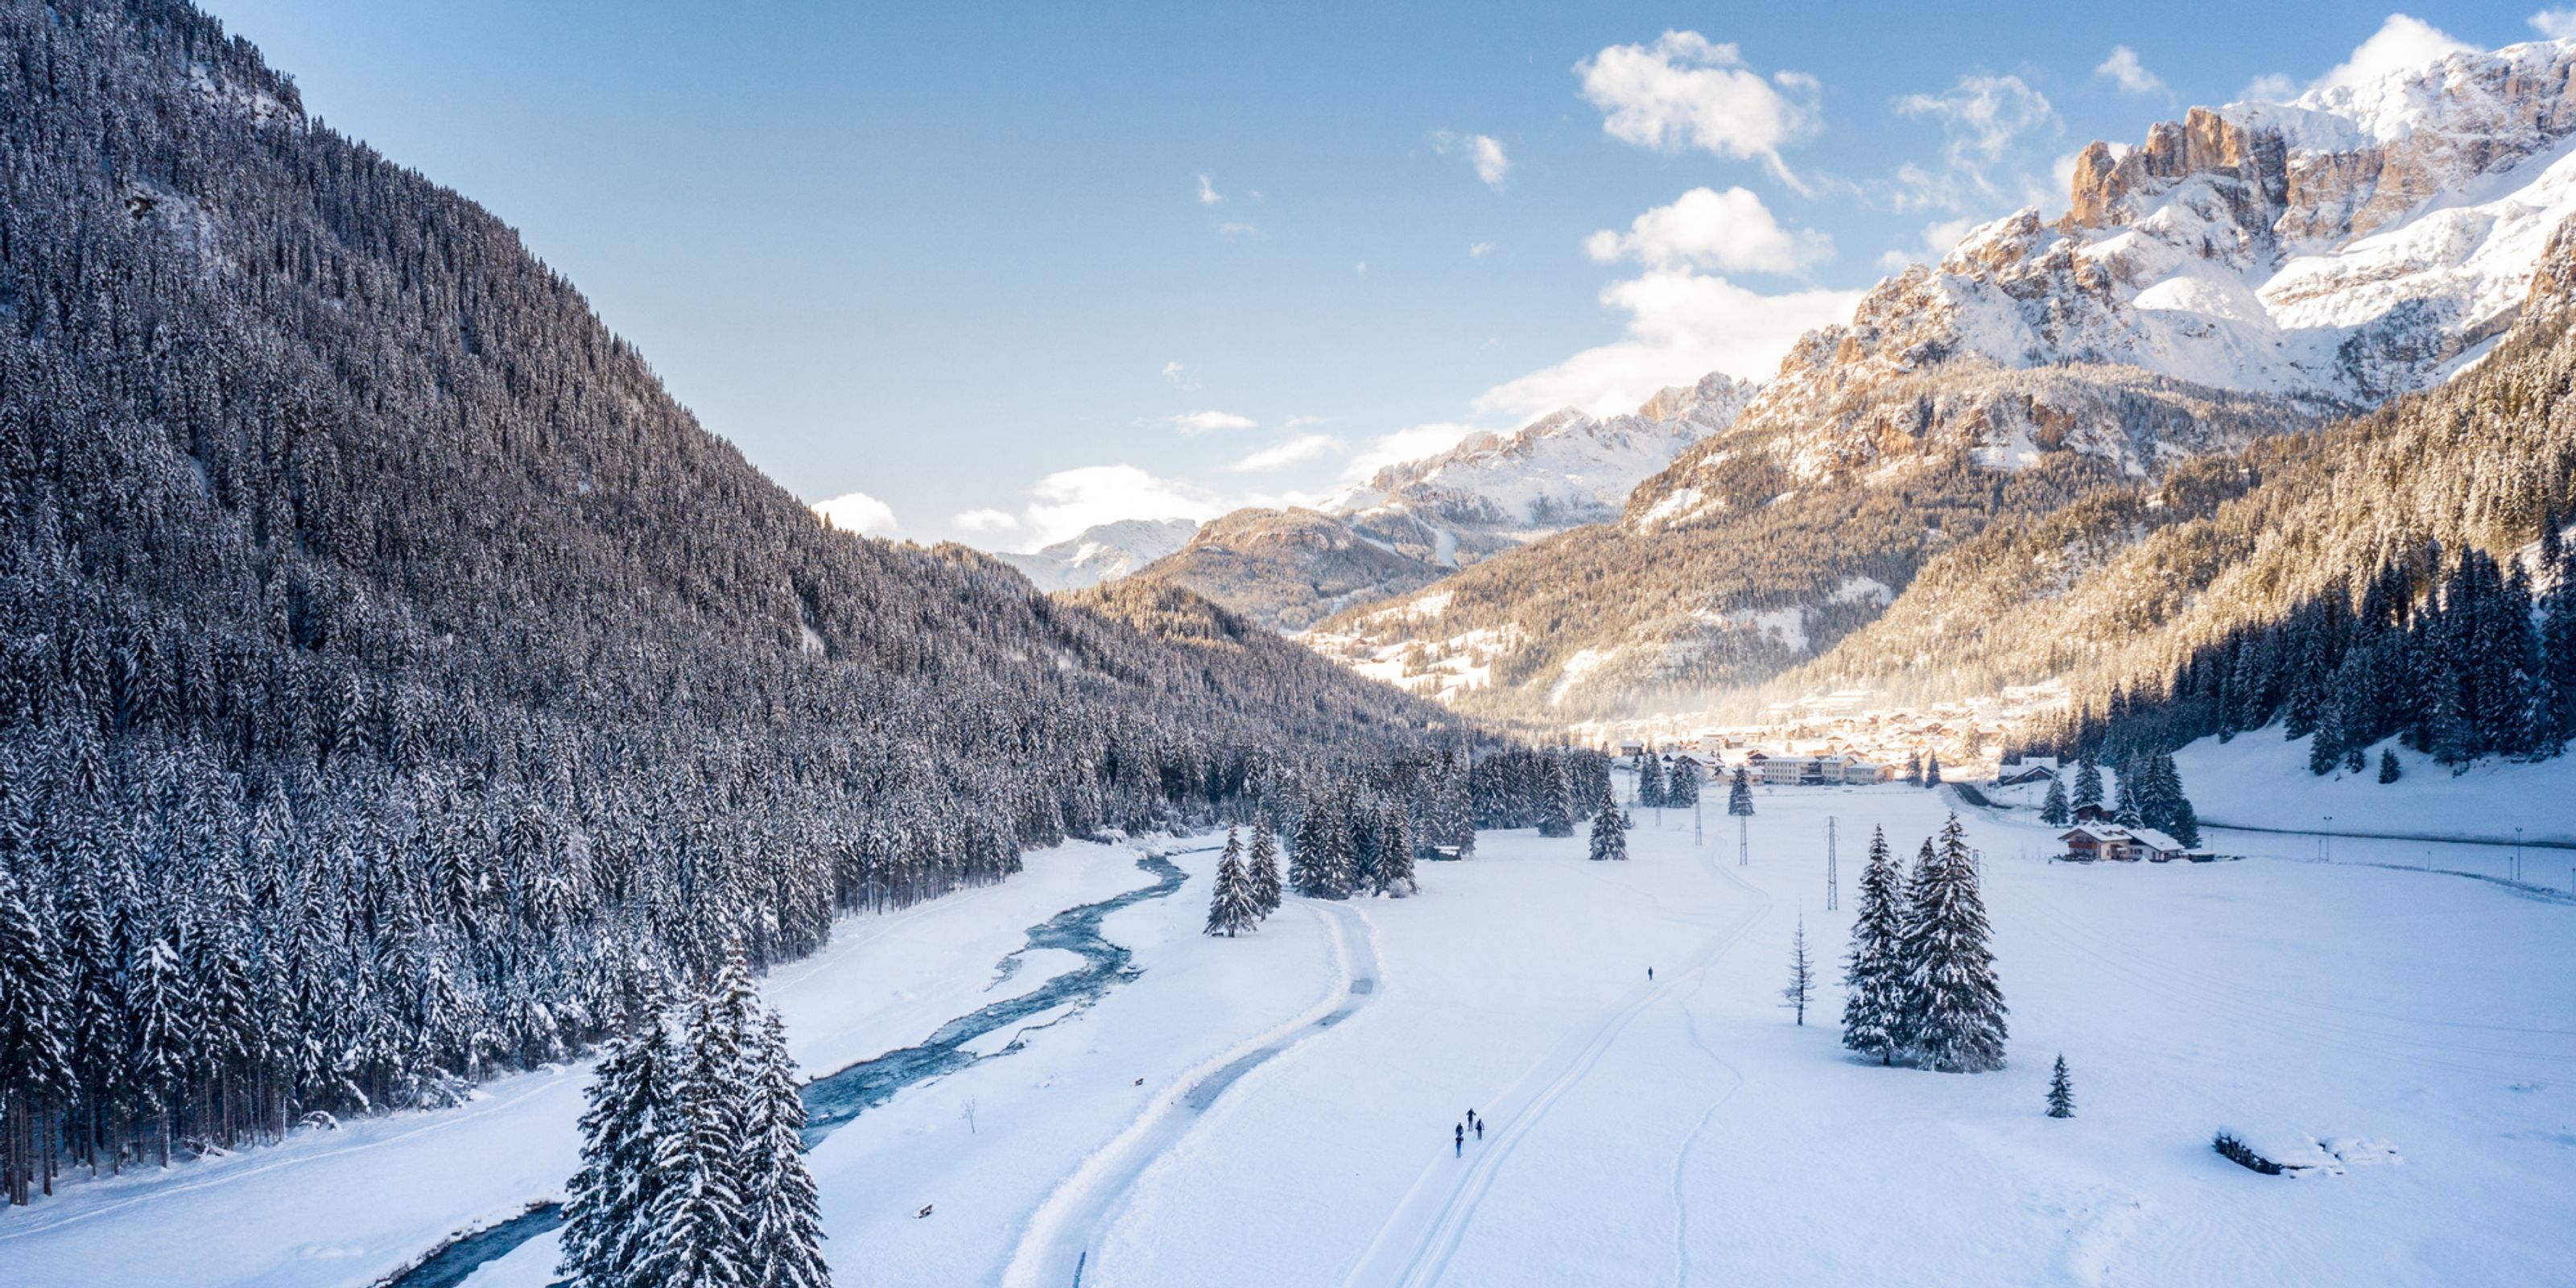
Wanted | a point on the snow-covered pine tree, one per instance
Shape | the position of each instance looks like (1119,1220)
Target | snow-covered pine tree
(2180,821)
(611,1202)
(1315,861)
(2389,770)
(1932,770)
(1233,905)
(1914,769)
(1609,832)
(1874,972)
(1681,790)
(1556,800)
(1739,794)
(699,1227)
(1801,988)
(35,1063)
(780,1200)
(2061,1091)
(1394,876)
(2054,811)
(2088,782)
(164,1011)
(1650,781)
(1262,865)
(1955,1010)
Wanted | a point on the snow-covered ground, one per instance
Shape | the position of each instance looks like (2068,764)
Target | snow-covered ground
(1277,1109)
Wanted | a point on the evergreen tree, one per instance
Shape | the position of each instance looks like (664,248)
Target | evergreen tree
(1681,790)
(1801,988)
(2053,811)
(781,1202)
(1955,1010)
(158,998)
(1609,832)
(1394,876)
(1914,769)
(1739,794)
(1932,770)
(611,1202)
(1874,972)
(1556,802)
(1650,781)
(1316,866)
(1234,905)
(698,1230)
(2088,782)
(36,1079)
(2389,770)
(2061,1091)
(1262,866)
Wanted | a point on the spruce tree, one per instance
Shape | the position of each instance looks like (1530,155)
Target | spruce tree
(698,1229)
(1801,988)
(1650,781)
(1233,906)
(2053,811)
(1394,875)
(2061,1091)
(1262,866)
(1315,864)
(610,1204)
(1914,769)
(2088,782)
(1874,972)
(1556,801)
(2389,770)
(1739,794)
(1932,770)
(35,1062)
(1609,832)
(1681,790)
(1954,1008)
(782,1206)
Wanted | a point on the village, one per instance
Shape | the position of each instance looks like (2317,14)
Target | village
(1839,739)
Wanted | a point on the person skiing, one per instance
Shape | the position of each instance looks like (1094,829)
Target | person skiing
(1458,1143)
(1650,974)
(1480,1129)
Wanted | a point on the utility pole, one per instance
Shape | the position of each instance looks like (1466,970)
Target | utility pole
(1743,841)
(1833,879)
(1694,822)
(2517,855)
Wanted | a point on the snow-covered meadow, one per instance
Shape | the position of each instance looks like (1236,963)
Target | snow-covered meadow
(1279,1108)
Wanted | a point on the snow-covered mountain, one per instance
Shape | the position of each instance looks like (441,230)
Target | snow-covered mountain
(2295,259)
(1103,552)
(2247,270)
(1415,522)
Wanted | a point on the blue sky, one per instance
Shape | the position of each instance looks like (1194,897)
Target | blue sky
(1005,271)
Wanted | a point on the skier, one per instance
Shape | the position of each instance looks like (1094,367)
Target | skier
(1650,974)
(1458,1142)
(1480,1129)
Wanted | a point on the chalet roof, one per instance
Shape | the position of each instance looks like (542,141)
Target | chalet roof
(2152,837)
(2098,834)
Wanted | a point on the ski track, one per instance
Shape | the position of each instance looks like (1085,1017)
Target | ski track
(1434,1236)
(1066,1230)
(1690,1023)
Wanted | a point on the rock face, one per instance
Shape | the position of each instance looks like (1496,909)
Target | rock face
(1104,552)
(2244,271)
(1287,569)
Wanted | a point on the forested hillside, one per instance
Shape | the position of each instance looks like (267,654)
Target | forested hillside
(394,678)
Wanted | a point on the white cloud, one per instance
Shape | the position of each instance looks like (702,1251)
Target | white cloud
(1681,326)
(1203,422)
(1239,228)
(1208,195)
(857,512)
(1279,457)
(1730,230)
(1483,151)
(1480,250)
(2555,24)
(1411,444)
(1178,375)
(1985,118)
(2131,76)
(2400,43)
(1069,501)
(1684,91)
(986,521)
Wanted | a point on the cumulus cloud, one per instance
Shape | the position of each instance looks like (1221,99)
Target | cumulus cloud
(1408,444)
(1730,230)
(1685,91)
(986,521)
(2555,24)
(857,512)
(1483,151)
(1178,375)
(2401,42)
(1305,447)
(1068,501)
(1681,325)
(2128,73)
(1204,422)
(1208,195)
